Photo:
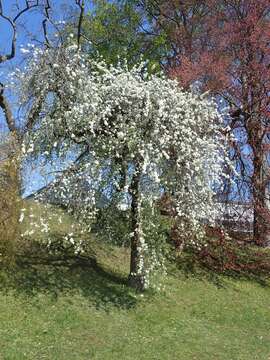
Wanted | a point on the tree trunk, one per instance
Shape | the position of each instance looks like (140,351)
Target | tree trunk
(261,229)
(261,225)
(136,275)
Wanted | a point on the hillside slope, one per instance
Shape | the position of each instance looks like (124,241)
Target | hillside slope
(76,312)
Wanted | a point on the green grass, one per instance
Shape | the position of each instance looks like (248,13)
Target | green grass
(77,312)
(84,310)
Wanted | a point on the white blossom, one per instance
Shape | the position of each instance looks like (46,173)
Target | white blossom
(127,117)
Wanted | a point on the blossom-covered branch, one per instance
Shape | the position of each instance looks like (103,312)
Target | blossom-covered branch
(137,128)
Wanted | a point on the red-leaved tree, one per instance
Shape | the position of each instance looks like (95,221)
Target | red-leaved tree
(224,47)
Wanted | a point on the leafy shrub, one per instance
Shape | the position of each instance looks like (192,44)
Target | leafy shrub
(113,225)
(10,206)
(223,254)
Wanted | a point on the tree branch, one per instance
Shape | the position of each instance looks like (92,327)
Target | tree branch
(81,5)
(12,23)
(33,113)
(47,8)
(7,111)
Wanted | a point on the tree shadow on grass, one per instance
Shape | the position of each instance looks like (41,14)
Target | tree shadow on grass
(102,288)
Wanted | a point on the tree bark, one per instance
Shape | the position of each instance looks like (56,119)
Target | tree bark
(261,224)
(261,227)
(136,275)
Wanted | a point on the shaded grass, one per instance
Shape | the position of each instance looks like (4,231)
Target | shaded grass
(86,311)
(70,308)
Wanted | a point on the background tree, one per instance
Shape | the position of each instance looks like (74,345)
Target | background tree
(10,201)
(11,22)
(222,46)
(120,30)
(10,165)
(15,123)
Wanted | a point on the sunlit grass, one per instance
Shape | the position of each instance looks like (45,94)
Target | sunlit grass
(77,312)
(86,311)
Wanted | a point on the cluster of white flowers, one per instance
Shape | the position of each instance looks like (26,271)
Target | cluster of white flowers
(119,118)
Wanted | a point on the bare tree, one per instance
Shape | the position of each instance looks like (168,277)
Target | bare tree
(12,23)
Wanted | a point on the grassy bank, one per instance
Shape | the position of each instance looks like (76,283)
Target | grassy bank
(81,312)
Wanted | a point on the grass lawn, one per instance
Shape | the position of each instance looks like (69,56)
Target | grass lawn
(62,313)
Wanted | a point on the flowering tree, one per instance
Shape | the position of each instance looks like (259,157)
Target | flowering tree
(136,136)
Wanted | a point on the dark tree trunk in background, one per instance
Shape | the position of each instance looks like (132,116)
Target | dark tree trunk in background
(259,181)
(261,226)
